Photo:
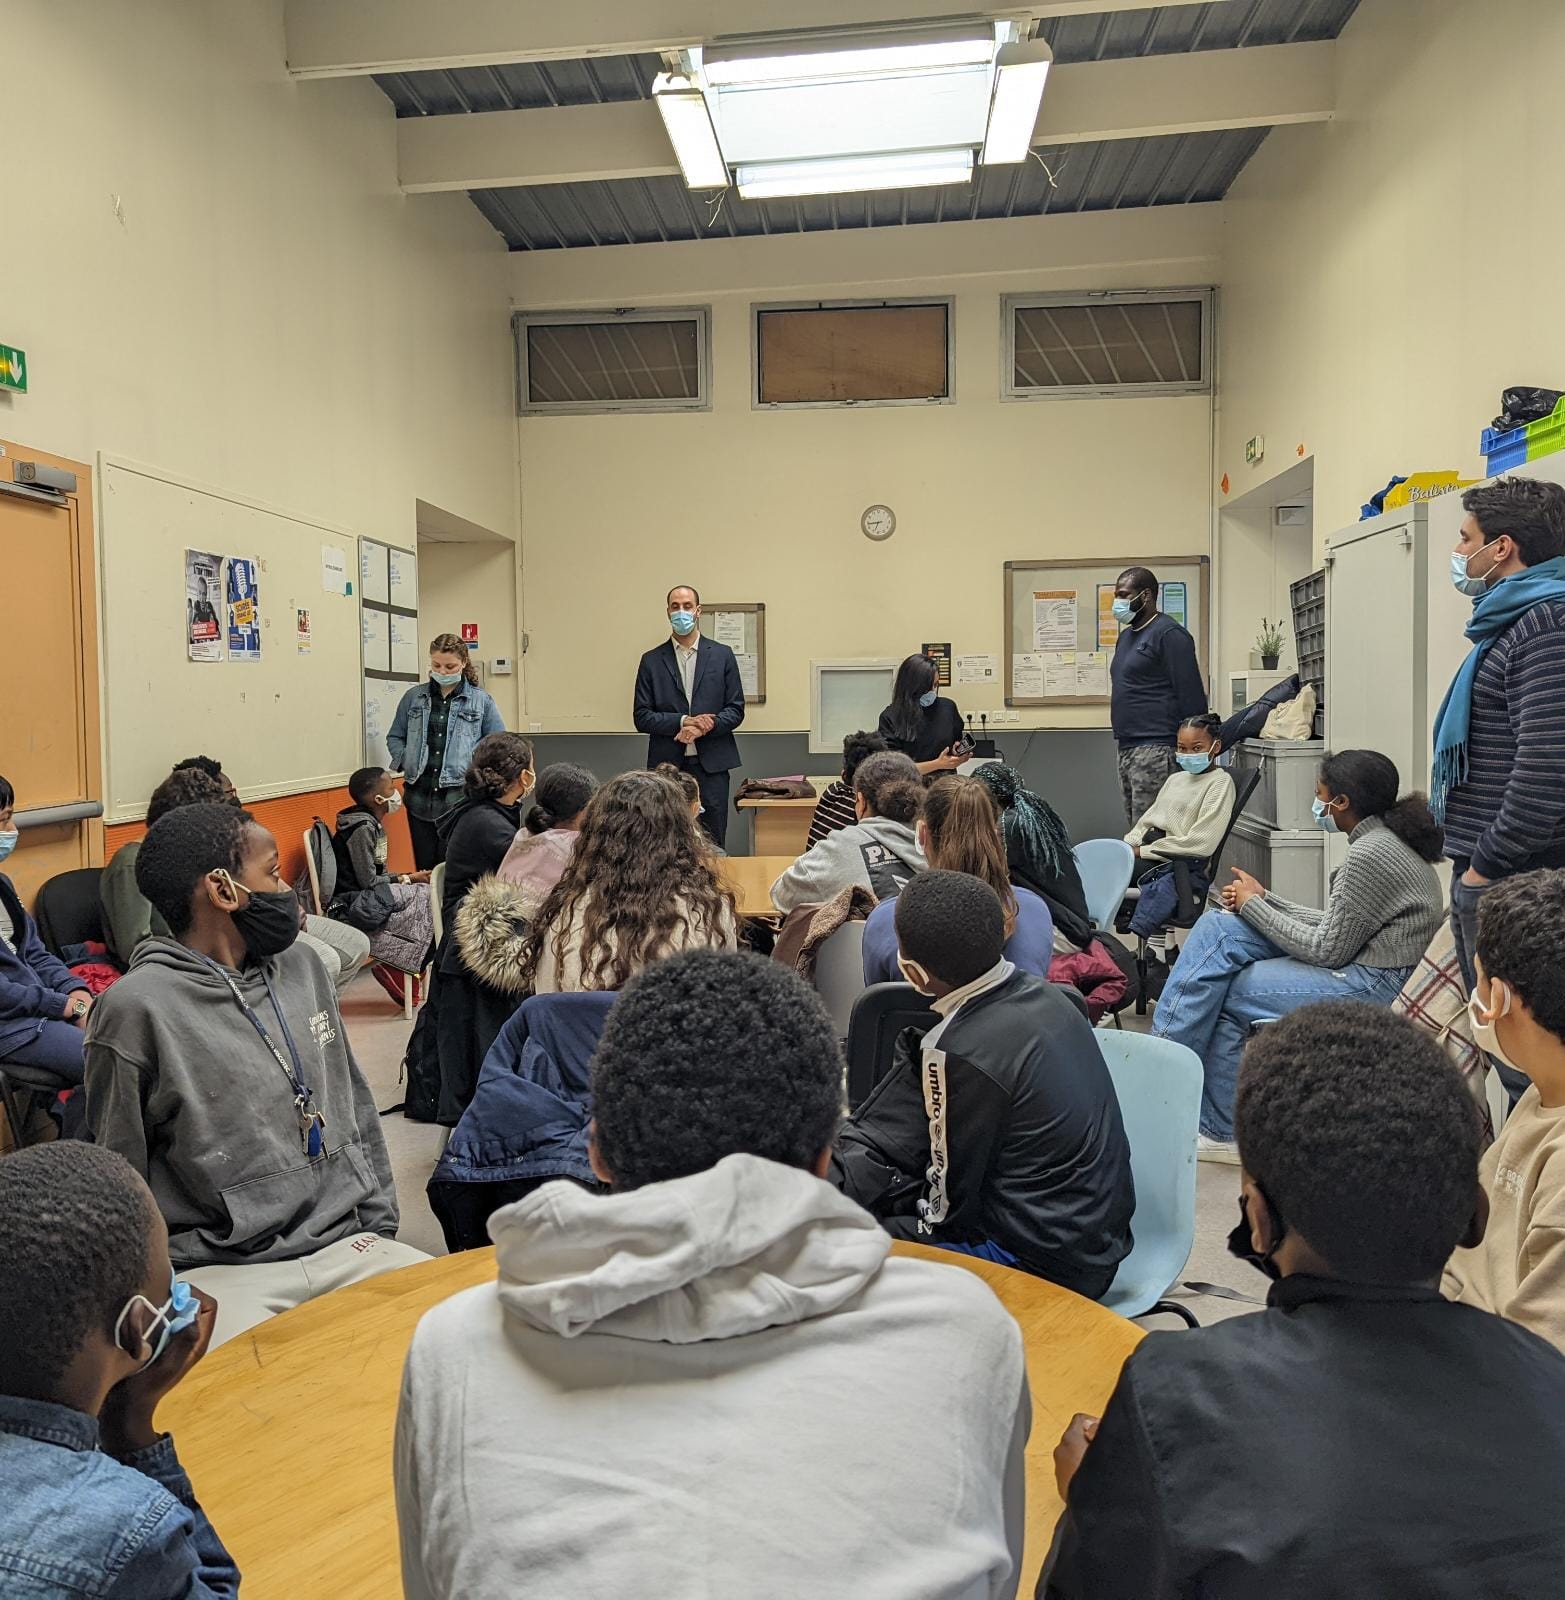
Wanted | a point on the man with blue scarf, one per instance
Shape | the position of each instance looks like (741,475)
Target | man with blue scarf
(1499,776)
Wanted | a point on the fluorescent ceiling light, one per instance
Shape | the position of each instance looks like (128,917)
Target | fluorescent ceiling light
(689,126)
(1021,71)
(838,56)
(771,180)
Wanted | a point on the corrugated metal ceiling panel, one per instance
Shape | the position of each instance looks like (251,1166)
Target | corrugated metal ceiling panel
(1178,29)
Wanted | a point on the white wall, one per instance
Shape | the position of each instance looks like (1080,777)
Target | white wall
(765,506)
(1385,276)
(471,581)
(212,272)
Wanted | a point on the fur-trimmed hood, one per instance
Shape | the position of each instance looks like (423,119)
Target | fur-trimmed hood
(490,926)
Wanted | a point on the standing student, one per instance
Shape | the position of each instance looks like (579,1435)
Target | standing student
(920,722)
(1156,684)
(95,1330)
(432,738)
(836,807)
(1499,781)
(688,701)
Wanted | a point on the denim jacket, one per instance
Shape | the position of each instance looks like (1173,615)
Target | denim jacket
(75,1522)
(473,716)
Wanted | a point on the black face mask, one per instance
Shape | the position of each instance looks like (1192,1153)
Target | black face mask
(268,922)
(1241,1245)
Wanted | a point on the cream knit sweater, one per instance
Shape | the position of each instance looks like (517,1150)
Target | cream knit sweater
(1192,810)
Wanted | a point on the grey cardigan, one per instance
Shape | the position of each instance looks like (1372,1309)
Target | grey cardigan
(1384,907)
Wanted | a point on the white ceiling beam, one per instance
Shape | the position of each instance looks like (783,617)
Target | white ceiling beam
(1262,87)
(349,38)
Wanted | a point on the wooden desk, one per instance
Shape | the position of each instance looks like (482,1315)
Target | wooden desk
(782,827)
(751,878)
(287,1430)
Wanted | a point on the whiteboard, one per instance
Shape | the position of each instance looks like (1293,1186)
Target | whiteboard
(382,696)
(286,724)
(388,631)
(846,696)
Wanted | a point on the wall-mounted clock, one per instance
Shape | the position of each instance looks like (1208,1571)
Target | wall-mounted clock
(878,522)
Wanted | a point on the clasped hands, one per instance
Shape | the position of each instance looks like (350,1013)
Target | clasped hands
(1243,888)
(691,728)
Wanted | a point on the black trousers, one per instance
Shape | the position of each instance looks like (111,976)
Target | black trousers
(426,842)
(714,802)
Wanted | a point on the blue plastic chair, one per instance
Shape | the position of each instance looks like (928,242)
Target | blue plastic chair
(1158,1084)
(1106,867)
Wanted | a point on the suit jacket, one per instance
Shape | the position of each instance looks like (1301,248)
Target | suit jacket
(661,705)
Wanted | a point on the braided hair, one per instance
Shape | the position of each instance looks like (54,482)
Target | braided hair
(1036,824)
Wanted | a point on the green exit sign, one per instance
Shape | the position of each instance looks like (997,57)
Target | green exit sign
(13,369)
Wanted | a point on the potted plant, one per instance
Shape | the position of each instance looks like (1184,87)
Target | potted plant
(1269,642)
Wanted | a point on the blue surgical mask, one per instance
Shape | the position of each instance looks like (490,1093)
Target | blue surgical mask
(927,700)
(1195,764)
(175,1314)
(445,679)
(1323,817)
(1123,611)
(682,622)
(1462,579)
(8,843)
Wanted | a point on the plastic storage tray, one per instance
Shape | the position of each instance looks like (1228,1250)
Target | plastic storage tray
(1288,769)
(1527,443)
(1309,628)
(1291,863)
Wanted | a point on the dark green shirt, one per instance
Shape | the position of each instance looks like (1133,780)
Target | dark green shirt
(426,798)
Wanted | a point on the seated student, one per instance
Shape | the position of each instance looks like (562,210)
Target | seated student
(1361,1436)
(997,1134)
(959,831)
(219,1068)
(835,808)
(880,852)
(1262,956)
(1518,1016)
(543,845)
(1188,818)
(691,790)
(394,912)
(1038,854)
(94,1331)
(661,1372)
(43,1004)
(640,886)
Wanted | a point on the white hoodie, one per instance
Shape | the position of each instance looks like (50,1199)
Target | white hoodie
(717,1386)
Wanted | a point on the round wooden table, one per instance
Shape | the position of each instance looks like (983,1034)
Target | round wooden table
(286,1431)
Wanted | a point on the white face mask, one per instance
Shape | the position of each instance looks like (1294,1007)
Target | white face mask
(392,802)
(1485,1018)
(913,973)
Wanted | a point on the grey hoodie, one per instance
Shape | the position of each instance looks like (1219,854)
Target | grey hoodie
(877,854)
(180,1083)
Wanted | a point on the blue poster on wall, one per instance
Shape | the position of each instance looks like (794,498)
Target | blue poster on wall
(244,610)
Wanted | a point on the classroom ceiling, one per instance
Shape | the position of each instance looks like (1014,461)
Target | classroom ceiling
(543,208)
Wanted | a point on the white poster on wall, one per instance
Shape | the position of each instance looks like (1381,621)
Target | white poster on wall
(1026,675)
(978,669)
(1054,619)
(749,671)
(728,628)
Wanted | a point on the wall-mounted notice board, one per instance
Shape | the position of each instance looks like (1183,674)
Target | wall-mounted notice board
(388,626)
(1060,631)
(742,627)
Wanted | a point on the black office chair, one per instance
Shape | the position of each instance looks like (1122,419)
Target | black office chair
(68,910)
(19,1087)
(1189,909)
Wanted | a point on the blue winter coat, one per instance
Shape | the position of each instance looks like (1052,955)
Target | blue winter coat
(33,984)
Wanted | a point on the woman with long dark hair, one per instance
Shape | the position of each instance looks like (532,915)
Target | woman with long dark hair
(920,722)
(641,885)
(542,848)
(1261,957)
(1038,852)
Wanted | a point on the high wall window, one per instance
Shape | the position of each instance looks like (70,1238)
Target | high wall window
(585,361)
(883,352)
(1125,343)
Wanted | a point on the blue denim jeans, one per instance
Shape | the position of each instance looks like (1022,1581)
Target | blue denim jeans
(1229,976)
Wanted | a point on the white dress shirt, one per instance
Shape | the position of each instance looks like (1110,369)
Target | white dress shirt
(686,658)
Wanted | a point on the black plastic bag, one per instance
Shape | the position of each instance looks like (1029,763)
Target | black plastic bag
(1520,406)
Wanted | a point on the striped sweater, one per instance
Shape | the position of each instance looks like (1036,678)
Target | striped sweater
(1509,813)
(1384,907)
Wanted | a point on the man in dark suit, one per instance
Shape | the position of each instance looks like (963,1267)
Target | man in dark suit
(689,700)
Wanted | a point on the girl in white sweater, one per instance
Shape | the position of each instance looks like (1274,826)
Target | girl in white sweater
(1188,819)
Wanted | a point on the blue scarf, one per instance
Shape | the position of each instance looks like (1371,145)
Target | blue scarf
(1493,614)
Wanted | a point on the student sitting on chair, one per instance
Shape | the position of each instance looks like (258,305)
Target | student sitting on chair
(835,808)
(644,1401)
(879,852)
(1518,1017)
(1262,956)
(997,1133)
(1361,1436)
(43,1005)
(94,1330)
(394,911)
(1038,855)
(959,831)
(1188,819)
(219,1068)
(542,848)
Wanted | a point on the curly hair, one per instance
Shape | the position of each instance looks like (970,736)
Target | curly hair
(890,785)
(1530,511)
(184,786)
(951,924)
(75,1230)
(1369,780)
(688,786)
(639,873)
(1361,1134)
(179,850)
(499,759)
(856,749)
(207,764)
(963,823)
(447,644)
(710,1054)
(1521,931)
(562,792)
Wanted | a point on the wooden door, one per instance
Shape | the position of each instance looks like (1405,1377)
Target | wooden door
(50,746)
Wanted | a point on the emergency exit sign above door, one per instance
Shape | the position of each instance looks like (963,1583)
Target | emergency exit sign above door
(13,369)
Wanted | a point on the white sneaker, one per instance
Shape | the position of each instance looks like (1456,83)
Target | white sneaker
(1219,1150)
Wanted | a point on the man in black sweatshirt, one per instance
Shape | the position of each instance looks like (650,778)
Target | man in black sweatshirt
(1156,685)
(998,1133)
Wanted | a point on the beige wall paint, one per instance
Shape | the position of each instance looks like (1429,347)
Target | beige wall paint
(1386,275)
(474,582)
(765,506)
